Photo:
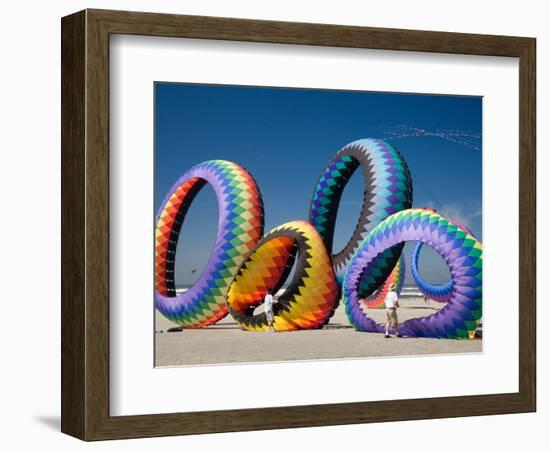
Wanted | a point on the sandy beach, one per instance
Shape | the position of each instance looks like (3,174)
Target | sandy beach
(225,342)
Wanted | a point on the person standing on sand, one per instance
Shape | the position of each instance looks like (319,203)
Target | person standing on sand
(392,303)
(268,309)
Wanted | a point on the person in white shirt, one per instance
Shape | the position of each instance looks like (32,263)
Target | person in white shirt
(392,303)
(268,309)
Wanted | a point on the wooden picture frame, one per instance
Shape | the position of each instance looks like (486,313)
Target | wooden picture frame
(85,224)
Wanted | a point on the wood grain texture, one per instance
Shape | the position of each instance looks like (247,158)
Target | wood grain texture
(85,224)
(527,225)
(72,224)
(97,225)
(201,27)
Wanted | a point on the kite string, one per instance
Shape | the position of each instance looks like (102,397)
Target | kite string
(467,138)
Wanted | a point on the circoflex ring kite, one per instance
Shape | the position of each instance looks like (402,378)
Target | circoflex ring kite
(396,279)
(388,189)
(240,227)
(439,293)
(462,252)
(310,296)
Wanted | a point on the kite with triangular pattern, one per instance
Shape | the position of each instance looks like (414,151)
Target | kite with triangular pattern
(309,297)
(460,249)
(240,227)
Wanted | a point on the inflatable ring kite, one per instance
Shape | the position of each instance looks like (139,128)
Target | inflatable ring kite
(240,227)
(311,294)
(462,252)
(439,293)
(388,189)
(397,278)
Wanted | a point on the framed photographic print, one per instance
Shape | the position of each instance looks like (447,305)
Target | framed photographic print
(271,224)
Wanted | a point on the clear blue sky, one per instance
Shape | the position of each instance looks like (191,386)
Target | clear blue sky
(284,137)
